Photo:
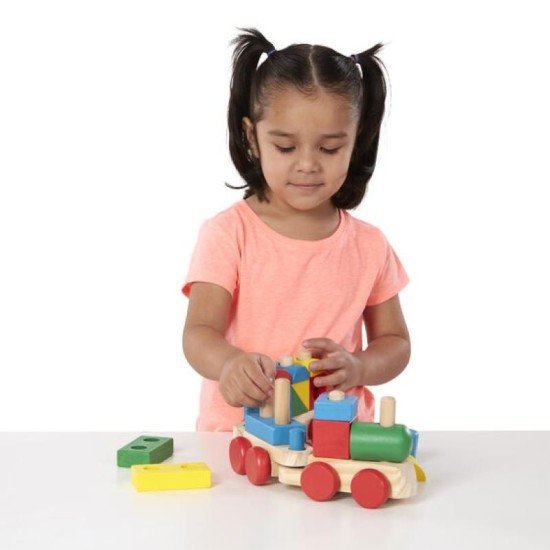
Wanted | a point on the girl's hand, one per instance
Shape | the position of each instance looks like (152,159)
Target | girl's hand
(246,379)
(343,369)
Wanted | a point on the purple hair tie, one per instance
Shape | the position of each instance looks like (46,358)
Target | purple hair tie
(271,51)
(355,58)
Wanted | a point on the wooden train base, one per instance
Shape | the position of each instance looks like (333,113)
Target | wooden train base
(370,483)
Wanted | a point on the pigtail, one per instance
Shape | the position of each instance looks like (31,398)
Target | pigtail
(249,47)
(363,160)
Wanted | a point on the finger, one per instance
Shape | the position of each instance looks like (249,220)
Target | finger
(315,353)
(324,364)
(333,379)
(344,386)
(268,367)
(325,344)
(257,375)
(255,383)
(249,395)
(250,402)
(236,397)
(253,392)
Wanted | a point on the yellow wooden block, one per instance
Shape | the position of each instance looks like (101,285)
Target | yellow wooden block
(305,363)
(174,475)
(302,391)
(420,474)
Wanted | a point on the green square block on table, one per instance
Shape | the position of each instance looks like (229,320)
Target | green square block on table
(146,449)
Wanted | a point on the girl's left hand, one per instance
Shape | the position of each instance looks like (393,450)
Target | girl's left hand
(343,369)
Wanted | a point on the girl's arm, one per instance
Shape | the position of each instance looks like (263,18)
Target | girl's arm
(204,345)
(389,346)
(244,378)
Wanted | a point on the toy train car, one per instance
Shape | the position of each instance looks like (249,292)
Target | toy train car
(313,440)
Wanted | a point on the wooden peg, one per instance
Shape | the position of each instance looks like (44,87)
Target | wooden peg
(387,411)
(336,395)
(286,360)
(267,410)
(282,397)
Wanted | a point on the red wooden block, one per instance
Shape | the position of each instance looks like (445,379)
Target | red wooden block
(331,438)
(315,391)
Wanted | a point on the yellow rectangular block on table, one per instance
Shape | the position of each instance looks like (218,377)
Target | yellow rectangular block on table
(175,475)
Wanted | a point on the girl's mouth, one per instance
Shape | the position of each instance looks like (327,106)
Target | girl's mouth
(306,185)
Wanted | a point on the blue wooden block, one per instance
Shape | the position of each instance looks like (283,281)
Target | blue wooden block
(298,372)
(267,430)
(414,434)
(345,410)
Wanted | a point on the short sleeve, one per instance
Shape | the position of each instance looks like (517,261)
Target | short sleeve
(215,258)
(391,277)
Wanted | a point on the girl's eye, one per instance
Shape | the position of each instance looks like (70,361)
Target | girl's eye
(289,149)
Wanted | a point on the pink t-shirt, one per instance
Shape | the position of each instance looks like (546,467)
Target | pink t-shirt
(287,290)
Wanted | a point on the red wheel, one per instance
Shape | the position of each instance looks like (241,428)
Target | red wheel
(258,465)
(237,452)
(320,481)
(370,488)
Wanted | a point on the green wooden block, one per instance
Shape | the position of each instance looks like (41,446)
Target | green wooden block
(146,449)
(296,405)
(370,441)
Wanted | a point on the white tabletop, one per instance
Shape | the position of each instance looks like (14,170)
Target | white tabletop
(65,491)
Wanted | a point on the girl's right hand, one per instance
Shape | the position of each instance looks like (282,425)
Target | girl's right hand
(246,379)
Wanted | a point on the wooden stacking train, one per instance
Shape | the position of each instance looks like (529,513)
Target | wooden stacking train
(310,438)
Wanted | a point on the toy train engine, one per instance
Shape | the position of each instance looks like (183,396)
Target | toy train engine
(372,461)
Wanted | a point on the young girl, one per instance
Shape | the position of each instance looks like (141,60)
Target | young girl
(287,267)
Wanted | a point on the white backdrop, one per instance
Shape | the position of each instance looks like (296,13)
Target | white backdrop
(113,150)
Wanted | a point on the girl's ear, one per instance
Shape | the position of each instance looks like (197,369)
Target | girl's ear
(248,129)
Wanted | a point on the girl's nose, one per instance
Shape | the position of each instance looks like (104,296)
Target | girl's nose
(308,162)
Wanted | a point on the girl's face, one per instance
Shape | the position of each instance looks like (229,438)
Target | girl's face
(304,146)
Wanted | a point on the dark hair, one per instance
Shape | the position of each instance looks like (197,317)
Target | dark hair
(306,67)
